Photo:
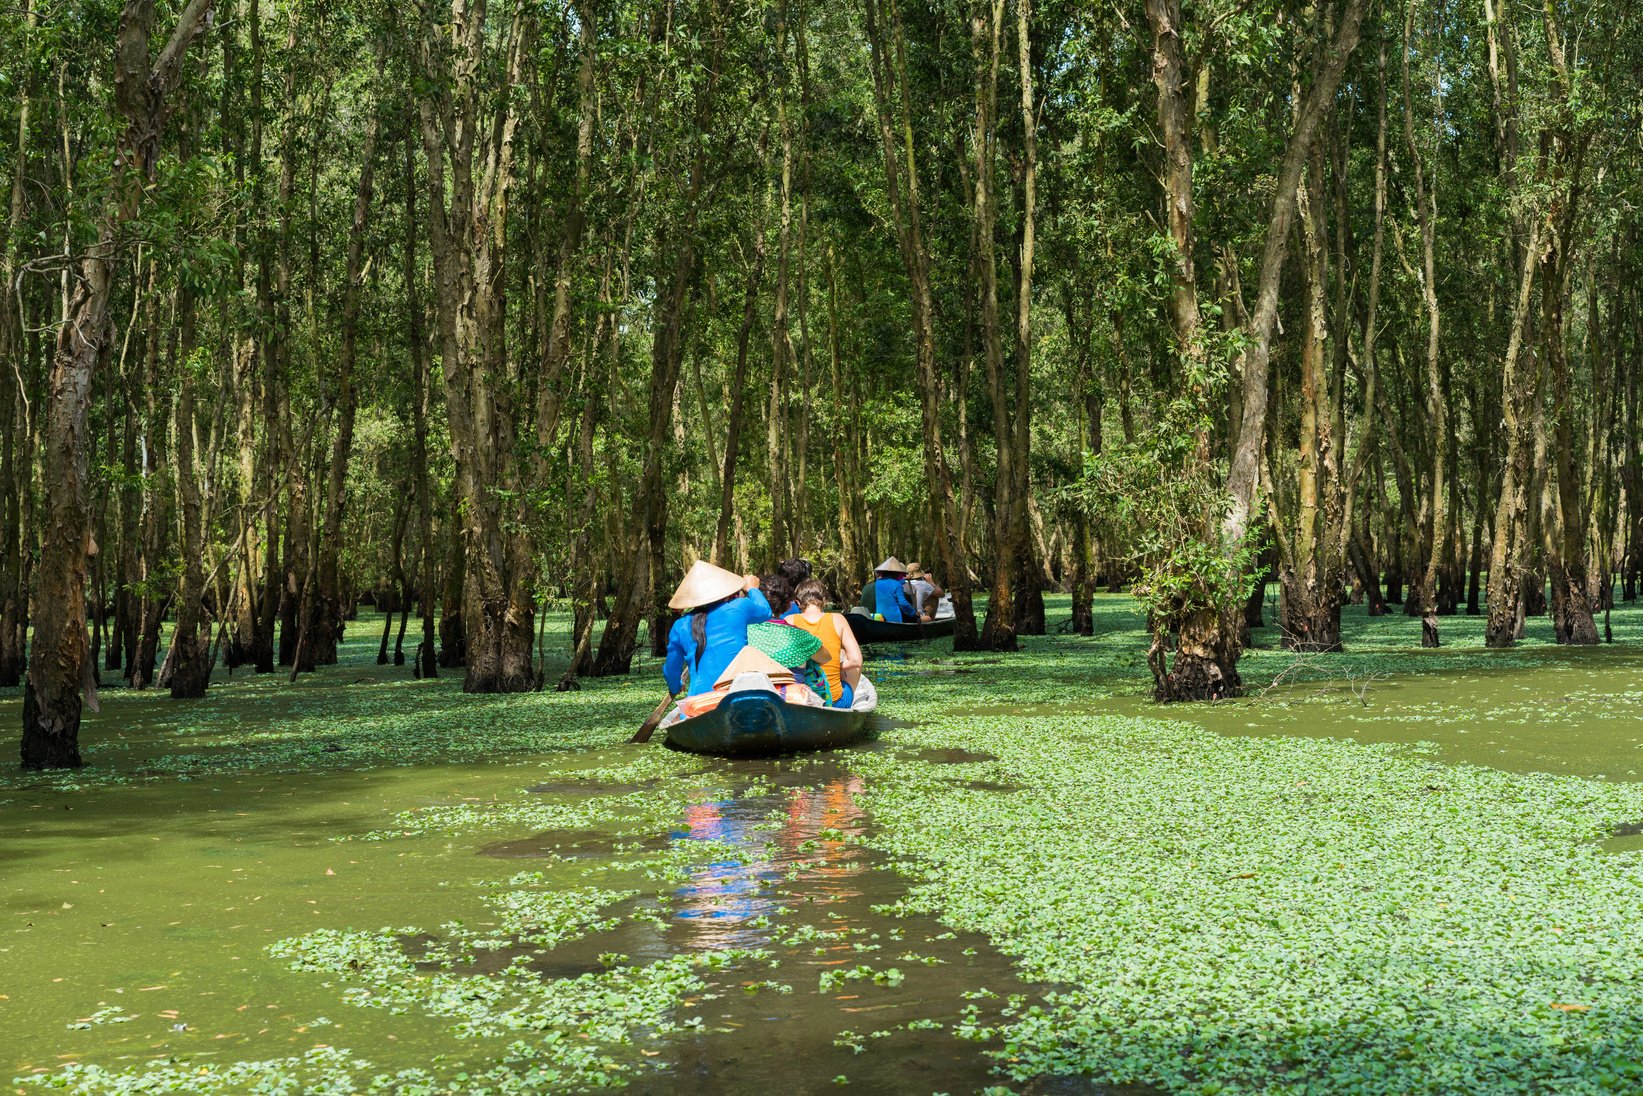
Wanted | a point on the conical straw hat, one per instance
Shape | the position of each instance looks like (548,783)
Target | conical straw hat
(752,660)
(703,585)
(893,565)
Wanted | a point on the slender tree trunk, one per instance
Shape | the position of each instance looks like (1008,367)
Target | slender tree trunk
(58,667)
(155,598)
(1029,576)
(469,154)
(1520,392)
(738,384)
(647,579)
(17,454)
(190,658)
(325,623)
(427,660)
(1435,534)
(584,570)
(782,357)
(986,29)
(1088,439)
(1207,641)
(891,94)
(1311,566)
(1244,481)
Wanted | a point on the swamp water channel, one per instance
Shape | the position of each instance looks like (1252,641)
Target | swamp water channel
(1397,871)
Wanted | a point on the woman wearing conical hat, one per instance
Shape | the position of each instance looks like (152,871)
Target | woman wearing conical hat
(890,598)
(713,629)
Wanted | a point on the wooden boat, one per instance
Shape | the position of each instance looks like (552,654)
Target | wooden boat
(757,722)
(869,630)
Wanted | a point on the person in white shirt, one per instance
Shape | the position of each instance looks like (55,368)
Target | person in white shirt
(923,591)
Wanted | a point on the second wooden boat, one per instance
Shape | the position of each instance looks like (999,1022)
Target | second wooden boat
(868,630)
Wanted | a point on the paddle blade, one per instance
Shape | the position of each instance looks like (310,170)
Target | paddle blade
(648,727)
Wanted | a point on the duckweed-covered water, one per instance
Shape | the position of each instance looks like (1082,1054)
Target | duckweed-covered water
(1390,871)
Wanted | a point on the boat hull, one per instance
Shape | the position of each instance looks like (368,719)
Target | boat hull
(868,630)
(757,723)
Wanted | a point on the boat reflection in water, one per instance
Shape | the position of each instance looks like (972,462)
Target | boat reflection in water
(727,901)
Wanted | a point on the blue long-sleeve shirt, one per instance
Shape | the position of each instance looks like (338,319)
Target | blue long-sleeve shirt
(891,601)
(726,636)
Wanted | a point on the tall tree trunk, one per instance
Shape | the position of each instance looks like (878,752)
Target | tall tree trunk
(645,586)
(288,470)
(986,29)
(427,655)
(470,173)
(1029,593)
(1509,555)
(585,572)
(1088,402)
(129,560)
(1335,50)
(892,99)
(325,623)
(155,598)
(190,658)
(269,350)
(1573,622)
(1310,566)
(738,383)
(17,454)
(58,668)
(782,357)
(1435,534)
(1207,641)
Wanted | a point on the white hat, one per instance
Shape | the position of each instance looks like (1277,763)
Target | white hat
(893,565)
(703,585)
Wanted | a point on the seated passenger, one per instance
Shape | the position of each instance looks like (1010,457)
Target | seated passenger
(777,589)
(714,628)
(795,571)
(794,648)
(926,594)
(890,598)
(843,665)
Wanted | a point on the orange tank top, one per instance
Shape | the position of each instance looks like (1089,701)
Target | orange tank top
(827,631)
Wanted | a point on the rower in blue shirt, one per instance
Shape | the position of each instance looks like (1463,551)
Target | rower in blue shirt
(891,600)
(713,629)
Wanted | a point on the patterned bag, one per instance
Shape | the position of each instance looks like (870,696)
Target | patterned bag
(813,676)
(790,646)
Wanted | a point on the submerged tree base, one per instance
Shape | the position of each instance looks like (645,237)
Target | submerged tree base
(1206,660)
(1198,679)
(51,739)
(190,664)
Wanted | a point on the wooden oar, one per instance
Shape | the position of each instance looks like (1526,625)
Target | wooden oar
(648,727)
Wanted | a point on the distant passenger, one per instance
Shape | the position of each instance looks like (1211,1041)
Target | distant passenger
(843,666)
(714,628)
(891,602)
(926,594)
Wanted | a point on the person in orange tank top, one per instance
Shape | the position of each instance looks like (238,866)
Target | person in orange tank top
(843,670)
